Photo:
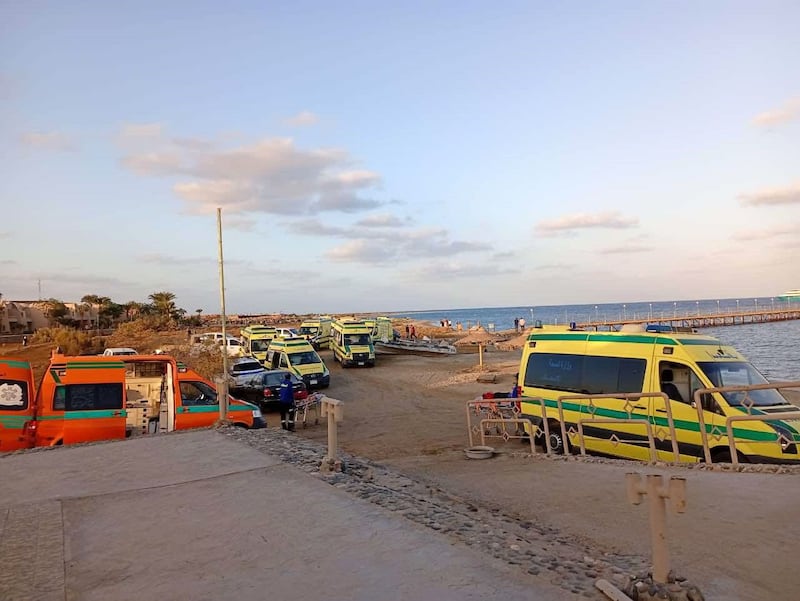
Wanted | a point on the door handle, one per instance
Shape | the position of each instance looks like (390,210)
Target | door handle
(661,410)
(640,407)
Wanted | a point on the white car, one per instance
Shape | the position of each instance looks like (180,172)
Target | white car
(286,333)
(113,352)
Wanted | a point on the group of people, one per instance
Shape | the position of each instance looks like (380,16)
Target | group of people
(519,324)
(411,331)
(445,323)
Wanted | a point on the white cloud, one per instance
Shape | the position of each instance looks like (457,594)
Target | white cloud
(773,196)
(302,119)
(789,111)
(153,163)
(555,266)
(452,270)
(361,251)
(141,130)
(624,250)
(272,175)
(383,247)
(578,221)
(53,140)
(380,220)
(163,259)
(768,233)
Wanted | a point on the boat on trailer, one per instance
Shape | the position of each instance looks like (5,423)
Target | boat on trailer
(415,346)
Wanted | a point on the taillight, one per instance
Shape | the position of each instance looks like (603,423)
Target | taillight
(29,427)
(267,392)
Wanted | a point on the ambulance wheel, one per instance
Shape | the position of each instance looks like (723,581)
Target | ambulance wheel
(557,442)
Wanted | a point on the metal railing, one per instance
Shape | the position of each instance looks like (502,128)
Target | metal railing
(748,404)
(628,407)
(505,435)
(501,412)
(497,409)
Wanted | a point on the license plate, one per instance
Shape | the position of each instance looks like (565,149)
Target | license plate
(361,363)
(313,381)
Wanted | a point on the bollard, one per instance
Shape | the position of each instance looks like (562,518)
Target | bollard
(333,409)
(657,496)
(222,398)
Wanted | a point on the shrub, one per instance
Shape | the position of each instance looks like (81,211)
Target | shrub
(71,342)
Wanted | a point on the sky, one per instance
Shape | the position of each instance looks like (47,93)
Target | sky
(377,156)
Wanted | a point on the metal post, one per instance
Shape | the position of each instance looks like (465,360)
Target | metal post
(657,494)
(480,354)
(333,410)
(223,398)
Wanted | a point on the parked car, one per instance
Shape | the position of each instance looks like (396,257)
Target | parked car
(112,352)
(242,370)
(264,389)
(286,333)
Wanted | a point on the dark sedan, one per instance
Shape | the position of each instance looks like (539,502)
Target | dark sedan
(264,389)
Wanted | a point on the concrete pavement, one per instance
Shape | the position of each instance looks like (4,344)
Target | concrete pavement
(199,516)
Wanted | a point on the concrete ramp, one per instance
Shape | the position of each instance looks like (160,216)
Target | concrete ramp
(199,516)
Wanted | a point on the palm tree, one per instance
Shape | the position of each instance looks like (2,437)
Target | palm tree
(132,308)
(164,302)
(55,310)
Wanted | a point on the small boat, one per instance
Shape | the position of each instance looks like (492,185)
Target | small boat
(415,346)
(790,295)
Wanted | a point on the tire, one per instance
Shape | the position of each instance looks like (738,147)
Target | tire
(557,443)
(724,456)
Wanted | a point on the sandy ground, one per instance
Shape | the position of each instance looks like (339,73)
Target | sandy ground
(737,539)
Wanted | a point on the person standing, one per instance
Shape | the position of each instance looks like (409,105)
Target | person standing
(286,397)
(25,340)
(413,332)
(516,325)
(408,331)
(522,324)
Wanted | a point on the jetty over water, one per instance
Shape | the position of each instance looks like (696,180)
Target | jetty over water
(707,320)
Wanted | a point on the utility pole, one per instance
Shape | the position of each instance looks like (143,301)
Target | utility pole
(223,398)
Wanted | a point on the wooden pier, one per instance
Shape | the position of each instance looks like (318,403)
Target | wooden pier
(709,320)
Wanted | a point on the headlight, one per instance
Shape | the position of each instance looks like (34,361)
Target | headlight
(786,440)
(256,413)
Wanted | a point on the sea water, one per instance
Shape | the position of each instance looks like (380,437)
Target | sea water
(771,347)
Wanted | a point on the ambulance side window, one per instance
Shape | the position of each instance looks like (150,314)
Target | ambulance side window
(87,397)
(706,399)
(60,398)
(197,393)
(284,361)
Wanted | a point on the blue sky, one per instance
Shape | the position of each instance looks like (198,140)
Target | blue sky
(399,156)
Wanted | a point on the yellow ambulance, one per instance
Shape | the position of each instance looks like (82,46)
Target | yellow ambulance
(565,363)
(256,339)
(299,357)
(351,341)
